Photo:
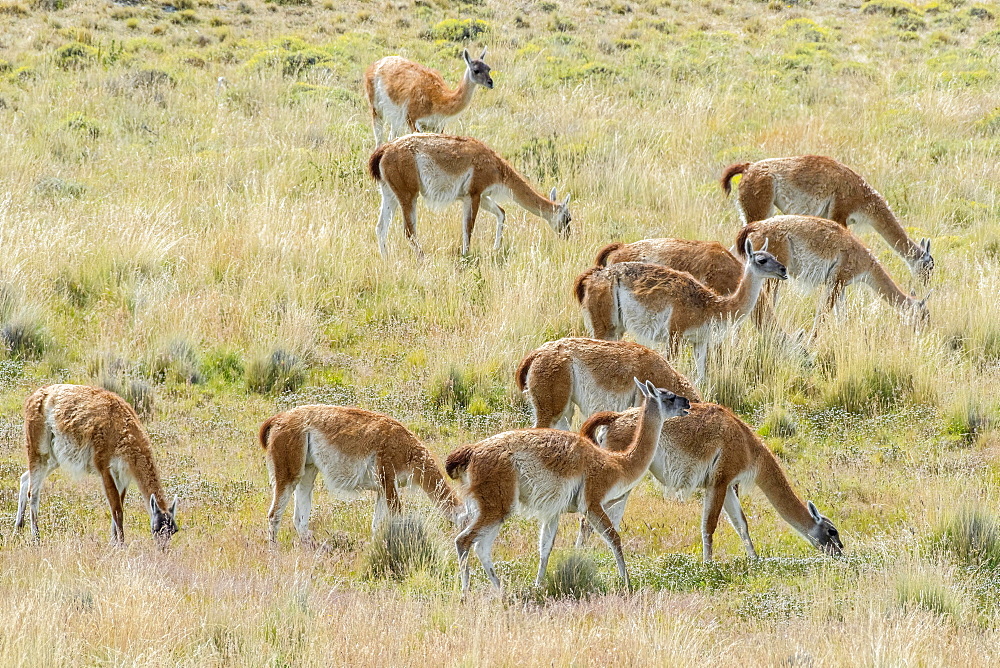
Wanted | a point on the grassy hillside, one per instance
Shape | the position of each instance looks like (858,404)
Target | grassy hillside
(206,247)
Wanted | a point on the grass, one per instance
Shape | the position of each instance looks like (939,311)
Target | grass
(206,248)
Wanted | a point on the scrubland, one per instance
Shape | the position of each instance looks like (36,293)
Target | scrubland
(205,246)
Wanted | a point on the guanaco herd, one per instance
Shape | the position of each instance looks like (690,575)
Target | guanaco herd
(640,413)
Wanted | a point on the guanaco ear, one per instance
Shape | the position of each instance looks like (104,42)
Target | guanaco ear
(173,508)
(748,248)
(923,302)
(465,55)
(925,245)
(483,54)
(764,247)
(642,388)
(566,200)
(552,194)
(813,511)
(651,389)
(154,508)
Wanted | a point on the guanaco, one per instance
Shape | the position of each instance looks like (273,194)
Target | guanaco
(445,169)
(91,430)
(708,261)
(822,252)
(659,304)
(356,450)
(594,375)
(413,98)
(712,449)
(814,185)
(547,472)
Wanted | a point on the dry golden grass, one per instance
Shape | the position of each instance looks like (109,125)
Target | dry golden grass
(146,207)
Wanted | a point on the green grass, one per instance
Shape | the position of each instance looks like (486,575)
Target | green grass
(206,249)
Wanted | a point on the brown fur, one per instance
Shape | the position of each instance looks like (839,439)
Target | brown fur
(708,261)
(374,167)
(693,307)
(422,90)
(548,376)
(807,181)
(730,172)
(458,156)
(514,463)
(794,239)
(104,429)
(298,441)
(710,432)
(602,255)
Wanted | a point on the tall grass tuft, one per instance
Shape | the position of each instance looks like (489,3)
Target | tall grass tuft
(576,576)
(22,338)
(970,536)
(928,591)
(178,363)
(116,375)
(279,371)
(400,547)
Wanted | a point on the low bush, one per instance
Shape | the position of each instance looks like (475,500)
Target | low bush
(278,371)
(401,546)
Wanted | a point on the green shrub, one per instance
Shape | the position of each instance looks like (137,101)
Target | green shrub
(178,363)
(970,536)
(805,30)
(401,546)
(224,364)
(574,577)
(53,186)
(967,417)
(991,38)
(889,8)
(458,30)
(779,422)
(279,371)
(75,55)
(77,122)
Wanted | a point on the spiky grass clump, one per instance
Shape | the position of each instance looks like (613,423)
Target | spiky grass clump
(121,377)
(576,576)
(400,547)
(22,338)
(930,592)
(279,371)
(970,536)
(177,363)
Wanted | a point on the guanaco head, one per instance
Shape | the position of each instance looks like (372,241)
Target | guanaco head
(478,70)
(163,522)
(559,218)
(669,404)
(923,264)
(822,533)
(762,262)
(920,314)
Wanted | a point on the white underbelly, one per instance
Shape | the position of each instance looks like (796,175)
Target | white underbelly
(540,492)
(345,476)
(393,114)
(647,326)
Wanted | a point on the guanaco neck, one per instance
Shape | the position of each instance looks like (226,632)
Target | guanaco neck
(147,477)
(636,458)
(773,482)
(880,217)
(457,100)
(883,284)
(525,195)
(427,474)
(742,301)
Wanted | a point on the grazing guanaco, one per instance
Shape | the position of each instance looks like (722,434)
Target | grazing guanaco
(817,251)
(547,472)
(445,169)
(355,450)
(413,98)
(708,261)
(594,375)
(91,430)
(712,449)
(659,304)
(814,185)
